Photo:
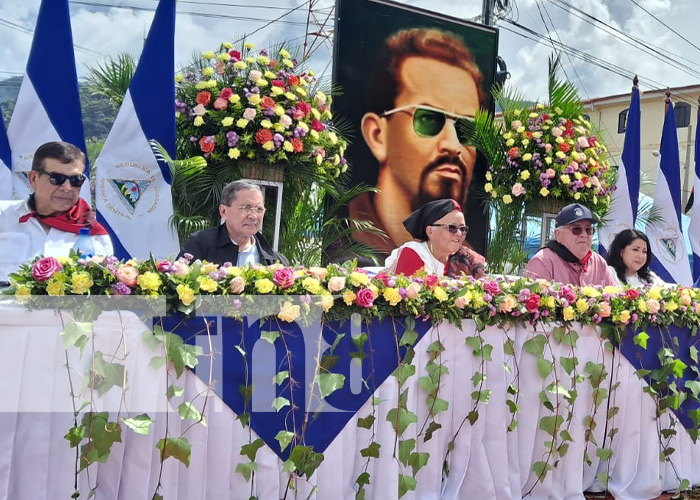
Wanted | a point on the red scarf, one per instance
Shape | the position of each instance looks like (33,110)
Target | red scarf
(79,216)
(585,260)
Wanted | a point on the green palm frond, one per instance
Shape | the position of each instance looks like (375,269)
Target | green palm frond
(563,94)
(112,78)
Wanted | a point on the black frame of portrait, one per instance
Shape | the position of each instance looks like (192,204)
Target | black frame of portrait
(361,27)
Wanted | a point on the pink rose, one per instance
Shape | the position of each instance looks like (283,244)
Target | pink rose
(249,113)
(220,103)
(45,268)
(518,189)
(365,298)
(199,110)
(492,287)
(653,305)
(550,173)
(461,302)
(254,75)
(283,277)
(127,274)
(336,284)
(226,93)
(582,142)
(605,311)
(568,293)
(413,290)
(516,124)
(286,120)
(237,285)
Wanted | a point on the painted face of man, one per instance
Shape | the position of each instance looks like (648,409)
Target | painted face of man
(426,160)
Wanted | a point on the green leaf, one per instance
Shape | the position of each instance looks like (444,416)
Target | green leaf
(406,446)
(551,424)
(540,470)
(270,336)
(305,460)
(366,422)
(569,364)
(279,403)
(417,461)
(101,434)
(151,340)
(409,337)
(641,339)
(281,377)
(284,438)
(108,374)
(478,378)
(157,362)
(432,427)
(693,386)
(400,419)
(246,469)
(403,372)
(428,383)
(544,367)
(73,333)
(679,367)
(603,453)
(251,449)
(188,410)
(406,483)
(603,478)
(328,383)
(535,345)
(437,405)
(140,424)
(75,435)
(174,391)
(362,479)
(473,416)
(685,485)
(482,396)
(512,406)
(693,353)
(178,448)
(371,451)
(288,466)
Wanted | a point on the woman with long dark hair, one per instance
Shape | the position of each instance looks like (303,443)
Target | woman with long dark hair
(629,257)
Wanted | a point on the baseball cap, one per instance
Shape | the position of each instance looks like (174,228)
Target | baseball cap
(574,213)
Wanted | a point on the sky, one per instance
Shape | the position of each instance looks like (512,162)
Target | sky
(100,29)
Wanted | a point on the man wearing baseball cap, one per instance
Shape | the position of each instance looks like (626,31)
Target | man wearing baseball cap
(568,258)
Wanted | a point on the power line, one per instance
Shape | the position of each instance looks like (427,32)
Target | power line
(28,31)
(665,25)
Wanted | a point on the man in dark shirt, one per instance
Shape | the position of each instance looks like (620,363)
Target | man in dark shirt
(238,239)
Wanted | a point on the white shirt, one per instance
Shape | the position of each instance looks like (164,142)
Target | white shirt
(432,265)
(636,282)
(249,256)
(21,242)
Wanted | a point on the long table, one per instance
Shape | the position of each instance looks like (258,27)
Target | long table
(485,459)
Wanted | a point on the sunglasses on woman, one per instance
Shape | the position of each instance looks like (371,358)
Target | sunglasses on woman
(577,230)
(57,179)
(454,228)
(429,121)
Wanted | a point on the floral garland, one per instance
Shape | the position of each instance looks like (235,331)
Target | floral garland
(254,106)
(344,290)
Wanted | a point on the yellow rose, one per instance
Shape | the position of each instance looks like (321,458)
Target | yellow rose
(284,54)
(254,99)
(241,123)
(288,146)
(577,196)
(198,121)
(266,124)
(548,160)
(568,313)
(549,302)
(81,282)
(269,74)
(525,175)
(625,316)
(489,177)
(290,96)
(249,45)
(590,291)
(234,153)
(185,294)
(234,98)
(392,296)
(526,156)
(560,155)
(544,191)
(277,90)
(642,305)
(654,293)
(224,56)
(612,290)
(264,285)
(314,135)
(358,279)
(440,293)
(333,138)
(488,187)
(23,290)
(239,65)
(507,199)
(510,142)
(269,146)
(326,302)
(179,78)
(289,312)
(671,305)
(349,297)
(227,122)
(208,55)
(311,285)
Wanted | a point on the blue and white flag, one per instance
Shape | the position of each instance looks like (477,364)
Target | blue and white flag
(694,227)
(48,104)
(625,199)
(5,164)
(670,259)
(132,188)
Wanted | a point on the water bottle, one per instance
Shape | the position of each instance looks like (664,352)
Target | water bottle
(83,246)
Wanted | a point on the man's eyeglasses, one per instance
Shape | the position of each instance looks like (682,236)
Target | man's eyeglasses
(454,228)
(248,209)
(57,179)
(429,121)
(577,230)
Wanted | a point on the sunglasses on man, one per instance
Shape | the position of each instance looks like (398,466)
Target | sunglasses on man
(429,121)
(577,230)
(454,228)
(57,179)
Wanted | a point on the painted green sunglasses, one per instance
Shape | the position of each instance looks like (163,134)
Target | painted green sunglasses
(429,121)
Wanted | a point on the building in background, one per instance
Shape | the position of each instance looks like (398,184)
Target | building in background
(609,115)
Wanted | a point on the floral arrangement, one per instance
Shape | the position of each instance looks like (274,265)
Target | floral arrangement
(243,105)
(551,154)
(342,291)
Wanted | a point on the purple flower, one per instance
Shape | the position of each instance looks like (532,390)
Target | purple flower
(524,294)
(121,289)
(232,139)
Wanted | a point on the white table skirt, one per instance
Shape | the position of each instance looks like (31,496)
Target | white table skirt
(487,461)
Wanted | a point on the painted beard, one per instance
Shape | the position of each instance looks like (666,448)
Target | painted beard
(434,186)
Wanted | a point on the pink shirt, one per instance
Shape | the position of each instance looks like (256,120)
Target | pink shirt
(549,266)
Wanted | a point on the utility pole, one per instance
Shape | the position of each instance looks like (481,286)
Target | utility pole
(487,12)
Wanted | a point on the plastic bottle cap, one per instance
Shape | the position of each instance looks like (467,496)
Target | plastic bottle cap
(85,231)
